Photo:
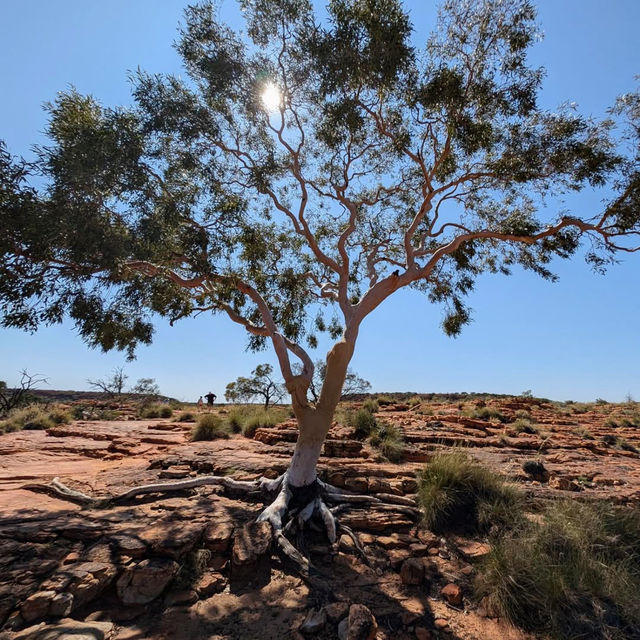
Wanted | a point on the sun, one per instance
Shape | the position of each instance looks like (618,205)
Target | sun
(271,97)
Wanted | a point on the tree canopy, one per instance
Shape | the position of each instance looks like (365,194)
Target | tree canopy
(299,174)
(261,385)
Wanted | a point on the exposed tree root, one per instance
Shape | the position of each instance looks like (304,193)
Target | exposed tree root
(59,490)
(290,513)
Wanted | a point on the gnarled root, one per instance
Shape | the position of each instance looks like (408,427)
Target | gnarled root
(294,508)
(59,490)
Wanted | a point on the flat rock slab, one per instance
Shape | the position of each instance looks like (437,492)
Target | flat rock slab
(66,629)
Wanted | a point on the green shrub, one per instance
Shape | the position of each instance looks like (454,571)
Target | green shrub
(235,420)
(384,401)
(414,401)
(166,411)
(625,445)
(583,432)
(523,413)
(522,425)
(459,495)
(258,420)
(488,413)
(574,574)
(33,418)
(59,416)
(371,405)
(362,422)
(633,421)
(155,410)
(187,416)
(389,440)
(209,427)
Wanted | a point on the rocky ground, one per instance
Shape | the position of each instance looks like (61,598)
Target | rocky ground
(194,564)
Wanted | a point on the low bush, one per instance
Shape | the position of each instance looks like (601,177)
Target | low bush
(155,411)
(458,495)
(371,405)
(235,420)
(362,422)
(384,401)
(59,415)
(88,412)
(260,419)
(34,418)
(414,401)
(584,433)
(486,413)
(522,425)
(523,413)
(187,416)
(389,440)
(574,573)
(209,427)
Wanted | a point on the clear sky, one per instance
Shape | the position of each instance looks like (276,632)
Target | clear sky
(575,339)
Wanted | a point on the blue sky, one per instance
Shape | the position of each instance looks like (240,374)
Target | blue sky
(577,338)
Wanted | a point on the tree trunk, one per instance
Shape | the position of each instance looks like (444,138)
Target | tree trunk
(315,422)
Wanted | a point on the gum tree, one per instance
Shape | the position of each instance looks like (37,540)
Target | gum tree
(297,176)
(260,385)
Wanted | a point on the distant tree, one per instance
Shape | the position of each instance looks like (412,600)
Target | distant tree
(301,172)
(112,386)
(353,383)
(10,398)
(146,387)
(261,384)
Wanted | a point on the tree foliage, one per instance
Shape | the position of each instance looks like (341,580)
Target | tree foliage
(146,387)
(261,385)
(380,167)
(353,383)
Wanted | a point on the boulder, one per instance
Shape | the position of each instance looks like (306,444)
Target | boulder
(361,624)
(36,606)
(452,594)
(336,611)
(61,605)
(210,583)
(412,571)
(172,539)
(217,536)
(146,580)
(88,580)
(251,557)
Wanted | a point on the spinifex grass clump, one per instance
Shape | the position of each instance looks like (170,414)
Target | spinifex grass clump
(187,416)
(209,427)
(155,411)
(574,574)
(363,423)
(458,495)
(486,413)
(371,405)
(34,418)
(389,440)
(248,419)
(260,419)
(524,425)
